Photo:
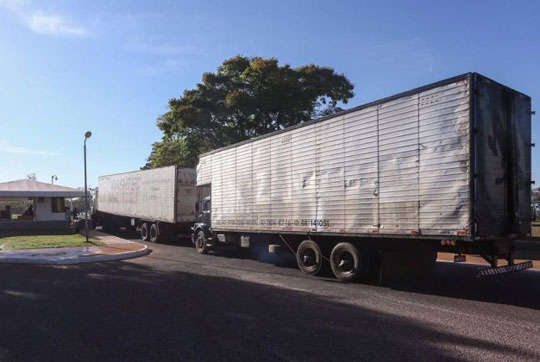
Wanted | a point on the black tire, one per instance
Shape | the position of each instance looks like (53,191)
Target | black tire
(154,233)
(200,243)
(346,263)
(145,234)
(309,257)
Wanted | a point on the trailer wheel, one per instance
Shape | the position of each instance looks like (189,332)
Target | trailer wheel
(309,257)
(154,235)
(345,261)
(145,235)
(200,243)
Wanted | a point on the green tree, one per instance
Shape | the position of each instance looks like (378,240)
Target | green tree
(245,98)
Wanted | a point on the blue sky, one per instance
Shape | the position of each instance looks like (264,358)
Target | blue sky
(111,66)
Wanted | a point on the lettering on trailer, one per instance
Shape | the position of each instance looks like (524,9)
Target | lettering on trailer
(275,222)
(129,184)
(128,189)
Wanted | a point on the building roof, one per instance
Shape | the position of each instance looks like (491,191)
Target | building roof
(31,188)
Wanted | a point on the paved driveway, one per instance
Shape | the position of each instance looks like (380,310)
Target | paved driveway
(177,305)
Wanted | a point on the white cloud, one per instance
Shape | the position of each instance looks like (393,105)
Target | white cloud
(41,22)
(167,66)
(6,147)
(51,24)
(169,58)
(162,49)
(13,5)
(403,53)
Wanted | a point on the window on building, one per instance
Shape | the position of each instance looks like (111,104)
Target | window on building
(58,204)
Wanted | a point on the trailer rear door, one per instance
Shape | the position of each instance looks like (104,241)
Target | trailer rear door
(503,159)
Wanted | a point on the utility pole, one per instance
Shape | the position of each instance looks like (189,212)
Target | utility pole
(87,135)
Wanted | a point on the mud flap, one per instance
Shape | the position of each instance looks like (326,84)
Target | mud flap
(504,269)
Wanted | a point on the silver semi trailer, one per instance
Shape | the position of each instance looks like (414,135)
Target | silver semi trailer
(444,167)
(160,203)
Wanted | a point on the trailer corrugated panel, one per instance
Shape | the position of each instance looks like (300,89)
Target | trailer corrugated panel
(304,181)
(214,163)
(146,194)
(399,166)
(444,183)
(228,189)
(155,194)
(244,186)
(186,195)
(361,171)
(204,172)
(261,183)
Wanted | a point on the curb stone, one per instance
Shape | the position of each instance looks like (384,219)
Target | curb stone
(92,258)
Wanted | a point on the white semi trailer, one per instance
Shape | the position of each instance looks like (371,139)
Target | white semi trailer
(443,167)
(160,203)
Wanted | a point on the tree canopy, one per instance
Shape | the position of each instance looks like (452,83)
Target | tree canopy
(245,98)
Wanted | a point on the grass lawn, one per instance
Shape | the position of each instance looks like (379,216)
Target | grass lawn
(44,241)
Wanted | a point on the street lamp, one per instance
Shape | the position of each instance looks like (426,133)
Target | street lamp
(87,135)
(54,178)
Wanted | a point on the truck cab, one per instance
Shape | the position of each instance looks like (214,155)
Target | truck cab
(203,222)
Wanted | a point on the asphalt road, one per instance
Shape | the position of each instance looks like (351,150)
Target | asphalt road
(176,305)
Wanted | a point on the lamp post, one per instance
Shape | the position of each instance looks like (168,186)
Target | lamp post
(87,135)
(53,178)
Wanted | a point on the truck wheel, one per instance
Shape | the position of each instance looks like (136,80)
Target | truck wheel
(154,235)
(145,235)
(200,243)
(309,257)
(345,262)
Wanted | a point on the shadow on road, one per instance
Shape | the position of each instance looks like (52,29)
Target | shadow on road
(521,289)
(450,280)
(128,311)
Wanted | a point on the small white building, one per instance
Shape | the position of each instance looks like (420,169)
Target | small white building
(44,204)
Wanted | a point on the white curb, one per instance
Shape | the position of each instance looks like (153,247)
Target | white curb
(79,259)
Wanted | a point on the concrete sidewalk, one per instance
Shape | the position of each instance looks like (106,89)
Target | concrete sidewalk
(113,248)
